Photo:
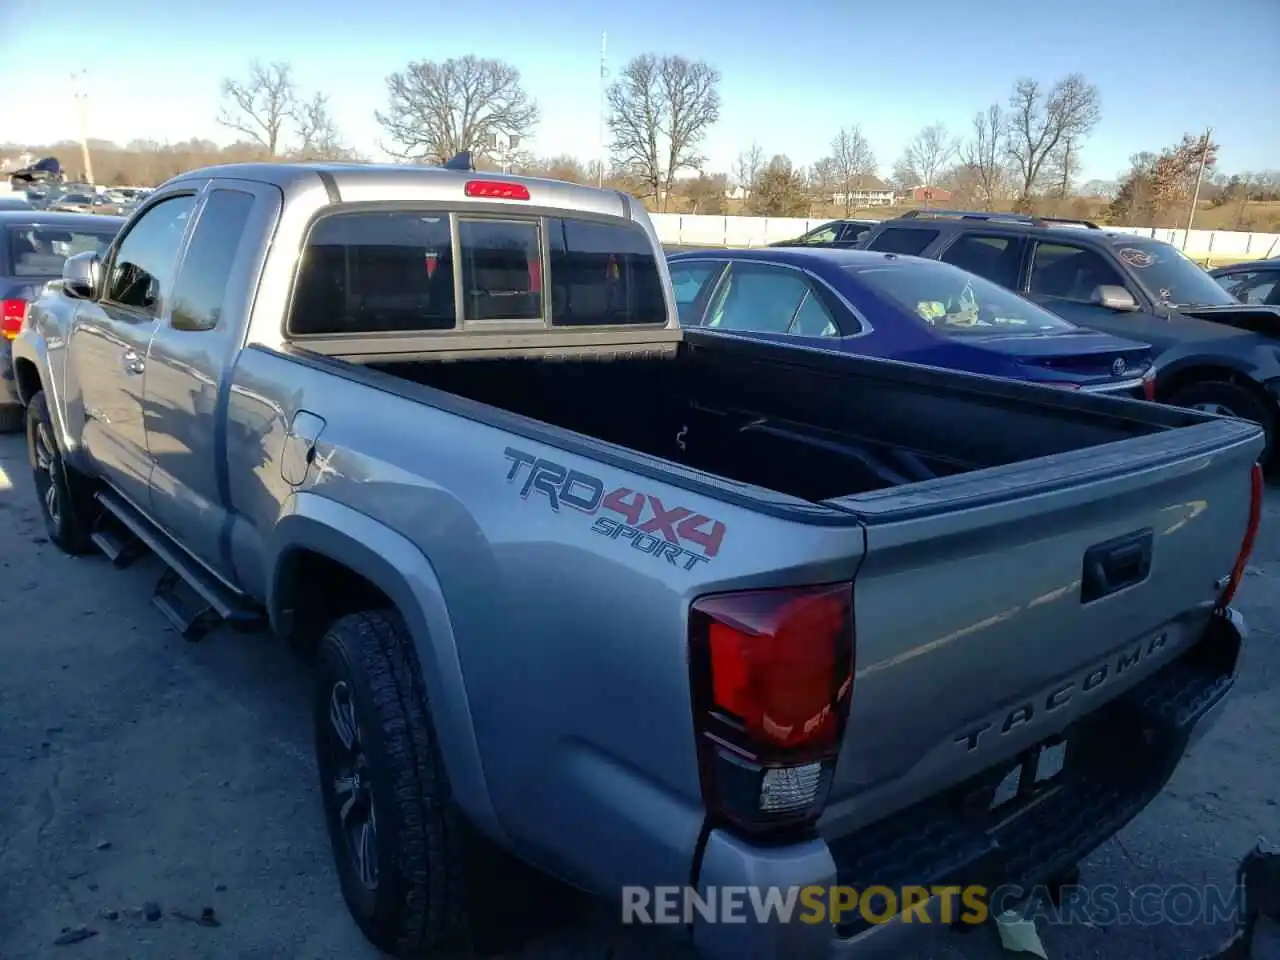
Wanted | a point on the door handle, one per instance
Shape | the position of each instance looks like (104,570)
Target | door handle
(1116,564)
(132,362)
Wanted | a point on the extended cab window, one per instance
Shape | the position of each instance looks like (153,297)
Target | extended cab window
(201,286)
(369,272)
(905,240)
(603,273)
(142,271)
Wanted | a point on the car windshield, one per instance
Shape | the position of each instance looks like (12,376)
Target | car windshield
(40,250)
(958,304)
(1170,276)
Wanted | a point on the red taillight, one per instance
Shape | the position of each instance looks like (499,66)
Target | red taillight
(13,314)
(496,190)
(1250,535)
(1149,384)
(772,674)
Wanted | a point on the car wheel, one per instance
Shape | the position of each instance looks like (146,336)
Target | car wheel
(395,836)
(66,498)
(1230,400)
(12,417)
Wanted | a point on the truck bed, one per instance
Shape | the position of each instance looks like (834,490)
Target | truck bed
(809,424)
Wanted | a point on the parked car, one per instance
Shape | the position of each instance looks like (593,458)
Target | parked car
(77,203)
(1254,282)
(837,233)
(33,247)
(639,605)
(1211,352)
(900,308)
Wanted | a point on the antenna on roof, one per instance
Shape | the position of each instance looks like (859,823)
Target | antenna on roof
(462,161)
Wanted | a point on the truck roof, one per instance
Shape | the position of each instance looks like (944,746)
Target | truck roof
(386,181)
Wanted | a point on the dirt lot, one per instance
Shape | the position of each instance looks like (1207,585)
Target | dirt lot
(139,768)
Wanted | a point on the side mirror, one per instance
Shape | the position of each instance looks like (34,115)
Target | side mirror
(1115,298)
(81,274)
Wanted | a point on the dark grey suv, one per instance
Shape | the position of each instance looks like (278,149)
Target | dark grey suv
(1212,352)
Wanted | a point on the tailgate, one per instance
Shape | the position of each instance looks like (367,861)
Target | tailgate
(982,625)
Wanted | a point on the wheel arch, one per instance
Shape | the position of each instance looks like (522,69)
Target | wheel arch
(1182,374)
(327,558)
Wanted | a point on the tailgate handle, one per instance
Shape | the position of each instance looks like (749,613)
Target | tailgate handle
(1116,564)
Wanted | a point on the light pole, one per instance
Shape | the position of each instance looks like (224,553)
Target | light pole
(81,97)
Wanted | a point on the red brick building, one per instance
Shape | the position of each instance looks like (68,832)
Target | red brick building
(931,195)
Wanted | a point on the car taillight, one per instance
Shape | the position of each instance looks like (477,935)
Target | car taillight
(1250,535)
(1149,384)
(13,314)
(772,675)
(496,190)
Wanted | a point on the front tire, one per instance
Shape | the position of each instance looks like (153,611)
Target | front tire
(1231,400)
(395,836)
(66,498)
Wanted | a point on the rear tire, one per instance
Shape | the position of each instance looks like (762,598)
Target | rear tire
(1232,400)
(398,848)
(66,497)
(12,417)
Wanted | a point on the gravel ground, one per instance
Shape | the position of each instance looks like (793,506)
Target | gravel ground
(142,771)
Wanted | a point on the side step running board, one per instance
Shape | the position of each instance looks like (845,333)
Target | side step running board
(190,598)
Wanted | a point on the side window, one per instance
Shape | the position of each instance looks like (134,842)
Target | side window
(825,234)
(375,272)
(905,240)
(603,273)
(1256,287)
(501,269)
(993,257)
(142,269)
(1070,273)
(853,232)
(813,319)
(757,298)
(201,285)
(689,281)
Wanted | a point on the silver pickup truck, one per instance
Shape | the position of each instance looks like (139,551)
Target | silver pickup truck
(642,607)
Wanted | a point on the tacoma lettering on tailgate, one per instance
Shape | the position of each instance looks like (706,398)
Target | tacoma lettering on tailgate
(677,534)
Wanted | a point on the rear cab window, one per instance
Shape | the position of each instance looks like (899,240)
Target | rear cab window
(909,241)
(365,272)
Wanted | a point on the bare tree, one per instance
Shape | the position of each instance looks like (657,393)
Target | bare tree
(437,110)
(905,175)
(983,154)
(317,130)
(746,169)
(1041,122)
(929,152)
(852,162)
(1062,169)
(660,110)
(261,105)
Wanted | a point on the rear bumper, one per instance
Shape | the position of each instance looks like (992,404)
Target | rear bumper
(1118,760)
(1121,388)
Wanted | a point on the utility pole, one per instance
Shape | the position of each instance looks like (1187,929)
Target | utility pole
(604,76)
(82,115)
(1195,195)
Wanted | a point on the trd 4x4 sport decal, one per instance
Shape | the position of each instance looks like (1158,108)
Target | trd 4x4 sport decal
(678,535)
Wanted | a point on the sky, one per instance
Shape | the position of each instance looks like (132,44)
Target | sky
(793,73)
